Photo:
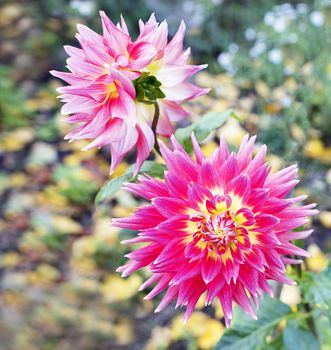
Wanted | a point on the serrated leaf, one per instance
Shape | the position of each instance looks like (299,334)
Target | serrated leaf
(248,334)
(316,288)
(296,337)
(202,128)
(108,191)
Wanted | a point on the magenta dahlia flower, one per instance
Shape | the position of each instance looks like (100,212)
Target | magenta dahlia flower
(114,81)
(220,226)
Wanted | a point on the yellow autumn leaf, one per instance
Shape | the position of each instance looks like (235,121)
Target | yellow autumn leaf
(120,170)
(10,260)
(204,79)
(220,105)
(66,225)
(160,339)
(103,327)
(314,148)
(206,330)
(121,211)
(325,218)
(123,331)
(84,247)
(17,180)
(209,148)
(213,332)
(233,132)
(51,196)
(273,108)
(319,261)
(105,232)
(275,162)
(16,140)
(76,158)
(291,84)
(86,285)
(9,13)
(115,288)
(297,133)
(47,273)
(262,89)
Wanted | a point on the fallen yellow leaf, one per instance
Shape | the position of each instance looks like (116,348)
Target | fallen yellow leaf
(319,261)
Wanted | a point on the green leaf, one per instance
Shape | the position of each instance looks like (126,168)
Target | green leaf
(322,321)
(151,168)
(202,128)
(296,337)
(248,334)
(111,187)
(316,288)
(108,191)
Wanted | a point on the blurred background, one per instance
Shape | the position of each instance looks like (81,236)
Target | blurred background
(269,60)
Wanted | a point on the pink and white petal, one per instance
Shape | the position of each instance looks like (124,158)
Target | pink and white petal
(124,107)
(115,38)
(74,51)
(174,49)
(145,144)
(89,34)
(124,27)
(141,54)
(245,151)
(120,149)
(164,126)
(113,132)
(174,111)
(70,78)
(122,80)
(83,68)
(183,92)
(78,104)
(145,113)
(172,75)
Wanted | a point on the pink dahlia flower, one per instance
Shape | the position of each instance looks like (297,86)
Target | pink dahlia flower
(105,75)
(220,226)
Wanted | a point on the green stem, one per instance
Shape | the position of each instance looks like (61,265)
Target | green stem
(306,306)
(154,126)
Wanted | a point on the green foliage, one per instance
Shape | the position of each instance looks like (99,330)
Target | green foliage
(109,257)
(13,111)
(289,53)
(108,191)
(76,190)
(316,288)
(322,321)
(54,241)
(47,131)
(248,334)
(297,337)
(307,330)
(202,128)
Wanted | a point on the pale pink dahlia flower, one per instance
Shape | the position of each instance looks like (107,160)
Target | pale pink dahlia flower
(109,76)
(220,226)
